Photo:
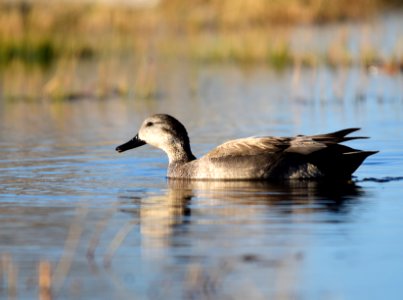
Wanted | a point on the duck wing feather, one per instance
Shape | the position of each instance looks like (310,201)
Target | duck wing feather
(254,146)
(300,144)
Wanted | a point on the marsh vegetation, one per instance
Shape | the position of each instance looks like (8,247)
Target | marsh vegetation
(45,47)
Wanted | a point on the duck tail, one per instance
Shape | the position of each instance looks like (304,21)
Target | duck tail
(352,160)
(339,161)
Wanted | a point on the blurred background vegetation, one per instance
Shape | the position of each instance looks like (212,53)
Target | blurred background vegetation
(43,44)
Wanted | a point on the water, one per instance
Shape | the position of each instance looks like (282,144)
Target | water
(112,226)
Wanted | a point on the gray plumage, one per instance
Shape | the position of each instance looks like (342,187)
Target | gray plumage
(253,158)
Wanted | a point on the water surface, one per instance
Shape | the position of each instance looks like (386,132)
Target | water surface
(112,226)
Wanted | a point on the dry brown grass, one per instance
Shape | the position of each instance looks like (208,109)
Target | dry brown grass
(230,14)
(42,44)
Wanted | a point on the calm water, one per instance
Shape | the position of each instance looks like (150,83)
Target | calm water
(112,226)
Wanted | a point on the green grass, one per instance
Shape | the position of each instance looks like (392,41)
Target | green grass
(42,52)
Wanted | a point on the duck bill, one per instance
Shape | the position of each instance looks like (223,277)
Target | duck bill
(133,143)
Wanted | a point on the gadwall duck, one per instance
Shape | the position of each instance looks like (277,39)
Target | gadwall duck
(252,158)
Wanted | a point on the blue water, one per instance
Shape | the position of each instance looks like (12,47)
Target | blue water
(112,226)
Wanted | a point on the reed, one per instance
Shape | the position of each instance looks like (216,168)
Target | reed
(9,270)
(43,43)
(45,280)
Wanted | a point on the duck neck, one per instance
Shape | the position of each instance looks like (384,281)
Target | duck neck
(179,153)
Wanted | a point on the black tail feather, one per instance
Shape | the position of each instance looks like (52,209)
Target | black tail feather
(339,161)
(352,160)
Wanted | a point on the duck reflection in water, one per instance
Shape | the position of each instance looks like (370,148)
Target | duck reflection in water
(218,202)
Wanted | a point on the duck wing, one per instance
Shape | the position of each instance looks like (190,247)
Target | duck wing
(254,146)
(300,144)
(288,157)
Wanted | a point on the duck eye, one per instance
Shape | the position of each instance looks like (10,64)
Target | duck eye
(149,124)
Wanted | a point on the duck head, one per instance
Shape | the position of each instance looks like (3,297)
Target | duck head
(164,132)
